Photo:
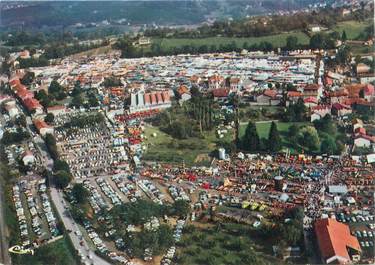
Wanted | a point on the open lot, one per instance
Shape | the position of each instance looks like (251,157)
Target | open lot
(163,147)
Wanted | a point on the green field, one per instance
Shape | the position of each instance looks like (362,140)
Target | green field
(352,28)
(192,151)
(278,40)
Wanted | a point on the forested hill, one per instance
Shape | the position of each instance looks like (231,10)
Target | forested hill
(177,12)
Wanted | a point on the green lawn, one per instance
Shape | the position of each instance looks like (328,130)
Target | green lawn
(192,151)
(278,40)
(352,28)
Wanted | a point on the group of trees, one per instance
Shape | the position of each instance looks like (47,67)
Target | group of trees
(112,82)
(51,146)
(28,78)
(292,231)
(49,118)
(55,92)
(323,137)
(158,241)
(80,193)
(15,137)
(33,62)
(332,142)
(295,112)
(57,50)
(252,143)
(189,120)
(317,41)
(83,120)
(24,38)
(62,176)
(141,211)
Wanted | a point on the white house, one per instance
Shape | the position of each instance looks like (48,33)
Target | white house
(11,108)
(363,141)
(28,158)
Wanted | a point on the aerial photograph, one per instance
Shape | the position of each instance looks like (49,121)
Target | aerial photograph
(187,132)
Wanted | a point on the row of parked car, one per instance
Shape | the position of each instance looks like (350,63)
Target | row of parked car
(36,224)
(127,188)
(151,190)
(367,244)
(96,200)
(364,233)
(178,193)
(47,208)
(167,259)
(341,217)
(21,216)
(109,191)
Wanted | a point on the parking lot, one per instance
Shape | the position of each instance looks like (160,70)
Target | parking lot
(36,218)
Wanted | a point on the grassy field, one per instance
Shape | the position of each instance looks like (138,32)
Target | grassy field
(278,40)
(192,151)
(352,28)
(263,129)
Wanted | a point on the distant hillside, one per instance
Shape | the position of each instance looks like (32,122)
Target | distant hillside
(50,14)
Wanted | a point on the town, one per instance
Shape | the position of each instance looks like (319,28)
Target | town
(240,157)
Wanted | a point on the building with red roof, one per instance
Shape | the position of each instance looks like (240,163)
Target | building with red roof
(14,83)
(184,93)
(312,90)
(336,244)
(360,130)
(216,82)
(235,83)
(310,102)
(42,127)
(268,97)
(338,95)
(56,110)
(33,105)
(293,96)
(339,109)
(220,93)
(319,111)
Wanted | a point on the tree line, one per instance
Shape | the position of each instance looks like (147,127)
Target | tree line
(262,26)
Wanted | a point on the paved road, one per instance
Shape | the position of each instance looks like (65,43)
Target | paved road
(70,224)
